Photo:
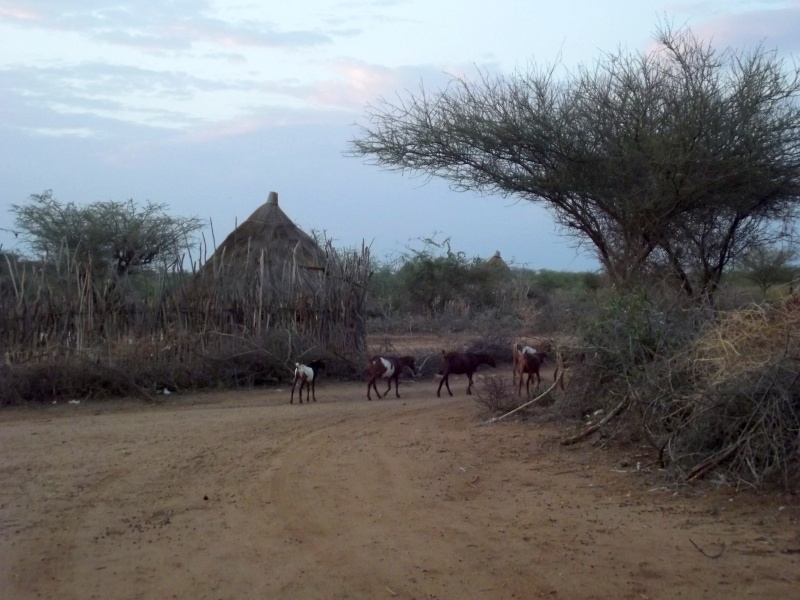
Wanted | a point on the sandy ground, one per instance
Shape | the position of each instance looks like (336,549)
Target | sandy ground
(242,495)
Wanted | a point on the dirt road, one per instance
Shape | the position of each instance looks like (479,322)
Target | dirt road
(241,495)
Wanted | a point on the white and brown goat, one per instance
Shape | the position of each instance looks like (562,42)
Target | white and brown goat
(306,375)
(518,349)
(388,367)
(528,362)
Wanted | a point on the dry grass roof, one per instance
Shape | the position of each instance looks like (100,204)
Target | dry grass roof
(270,233)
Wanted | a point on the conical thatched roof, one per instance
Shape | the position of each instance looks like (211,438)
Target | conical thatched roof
(268,232)
(497,260)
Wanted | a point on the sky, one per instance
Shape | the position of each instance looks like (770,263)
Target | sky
(207,106)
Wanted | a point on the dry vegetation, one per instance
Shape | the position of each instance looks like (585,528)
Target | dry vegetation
(64,334)
(721,396)
(740,403)
(712,395)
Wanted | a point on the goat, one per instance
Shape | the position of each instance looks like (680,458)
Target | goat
(517,349)
(306,374)
(529,362)
(388,367)
(462,363)
(516,353)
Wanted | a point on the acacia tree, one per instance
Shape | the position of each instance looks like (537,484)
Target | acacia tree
(111,238)
(767,266)
(673,160)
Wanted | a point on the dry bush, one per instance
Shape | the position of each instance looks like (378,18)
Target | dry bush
(711,392)
(66,331)
(146,367)
(739,410)
(496,394)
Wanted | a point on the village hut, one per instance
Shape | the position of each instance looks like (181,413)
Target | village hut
(269,244)
(497,261)
(269,273)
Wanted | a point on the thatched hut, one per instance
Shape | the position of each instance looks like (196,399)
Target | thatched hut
(271,233)
(270,246)
(268,273)
(497,261)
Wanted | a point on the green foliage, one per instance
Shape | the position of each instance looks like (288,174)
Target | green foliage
(111,238)
(443,288)
(628,331)
(545,281)
(766,266)
(667,162)
(434,278)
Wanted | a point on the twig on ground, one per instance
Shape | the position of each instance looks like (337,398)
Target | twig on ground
(590,430)
(704,553)
(711,462)
(501,417)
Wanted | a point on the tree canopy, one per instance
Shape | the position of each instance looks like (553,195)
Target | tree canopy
(666,162)
(110,237)
(435,276)
(767,266)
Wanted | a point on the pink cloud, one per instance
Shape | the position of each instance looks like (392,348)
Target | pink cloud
(776,28)
(19,14)
(356,85)
(224,130)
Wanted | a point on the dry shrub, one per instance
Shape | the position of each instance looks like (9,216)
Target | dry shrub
(184,362)
(712,392)
(70,378)
(65,335)
(735,400)
(496,395)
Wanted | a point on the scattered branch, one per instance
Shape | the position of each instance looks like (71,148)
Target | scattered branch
(703,552)
(500,418)
(590,430)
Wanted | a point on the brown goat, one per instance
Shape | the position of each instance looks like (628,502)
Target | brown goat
(388,367)
(529,362)
(306,375)
(462,363)
(542,349)
(516,352)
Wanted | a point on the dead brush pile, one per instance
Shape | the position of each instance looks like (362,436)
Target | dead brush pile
(715,394)
(732,403)
(144,368)
(496,394)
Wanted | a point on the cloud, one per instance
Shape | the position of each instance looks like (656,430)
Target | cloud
(77,132)
(158,26)
(355,84)
(774,26)
(170,99)
(10,13)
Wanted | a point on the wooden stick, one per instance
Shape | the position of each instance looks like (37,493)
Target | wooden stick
(704,553)
(711,462)
(495,419)
(590,430)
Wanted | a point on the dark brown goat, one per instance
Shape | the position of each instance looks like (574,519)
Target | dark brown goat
(388,367)
(462,363)
(306,375)
(529,362)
